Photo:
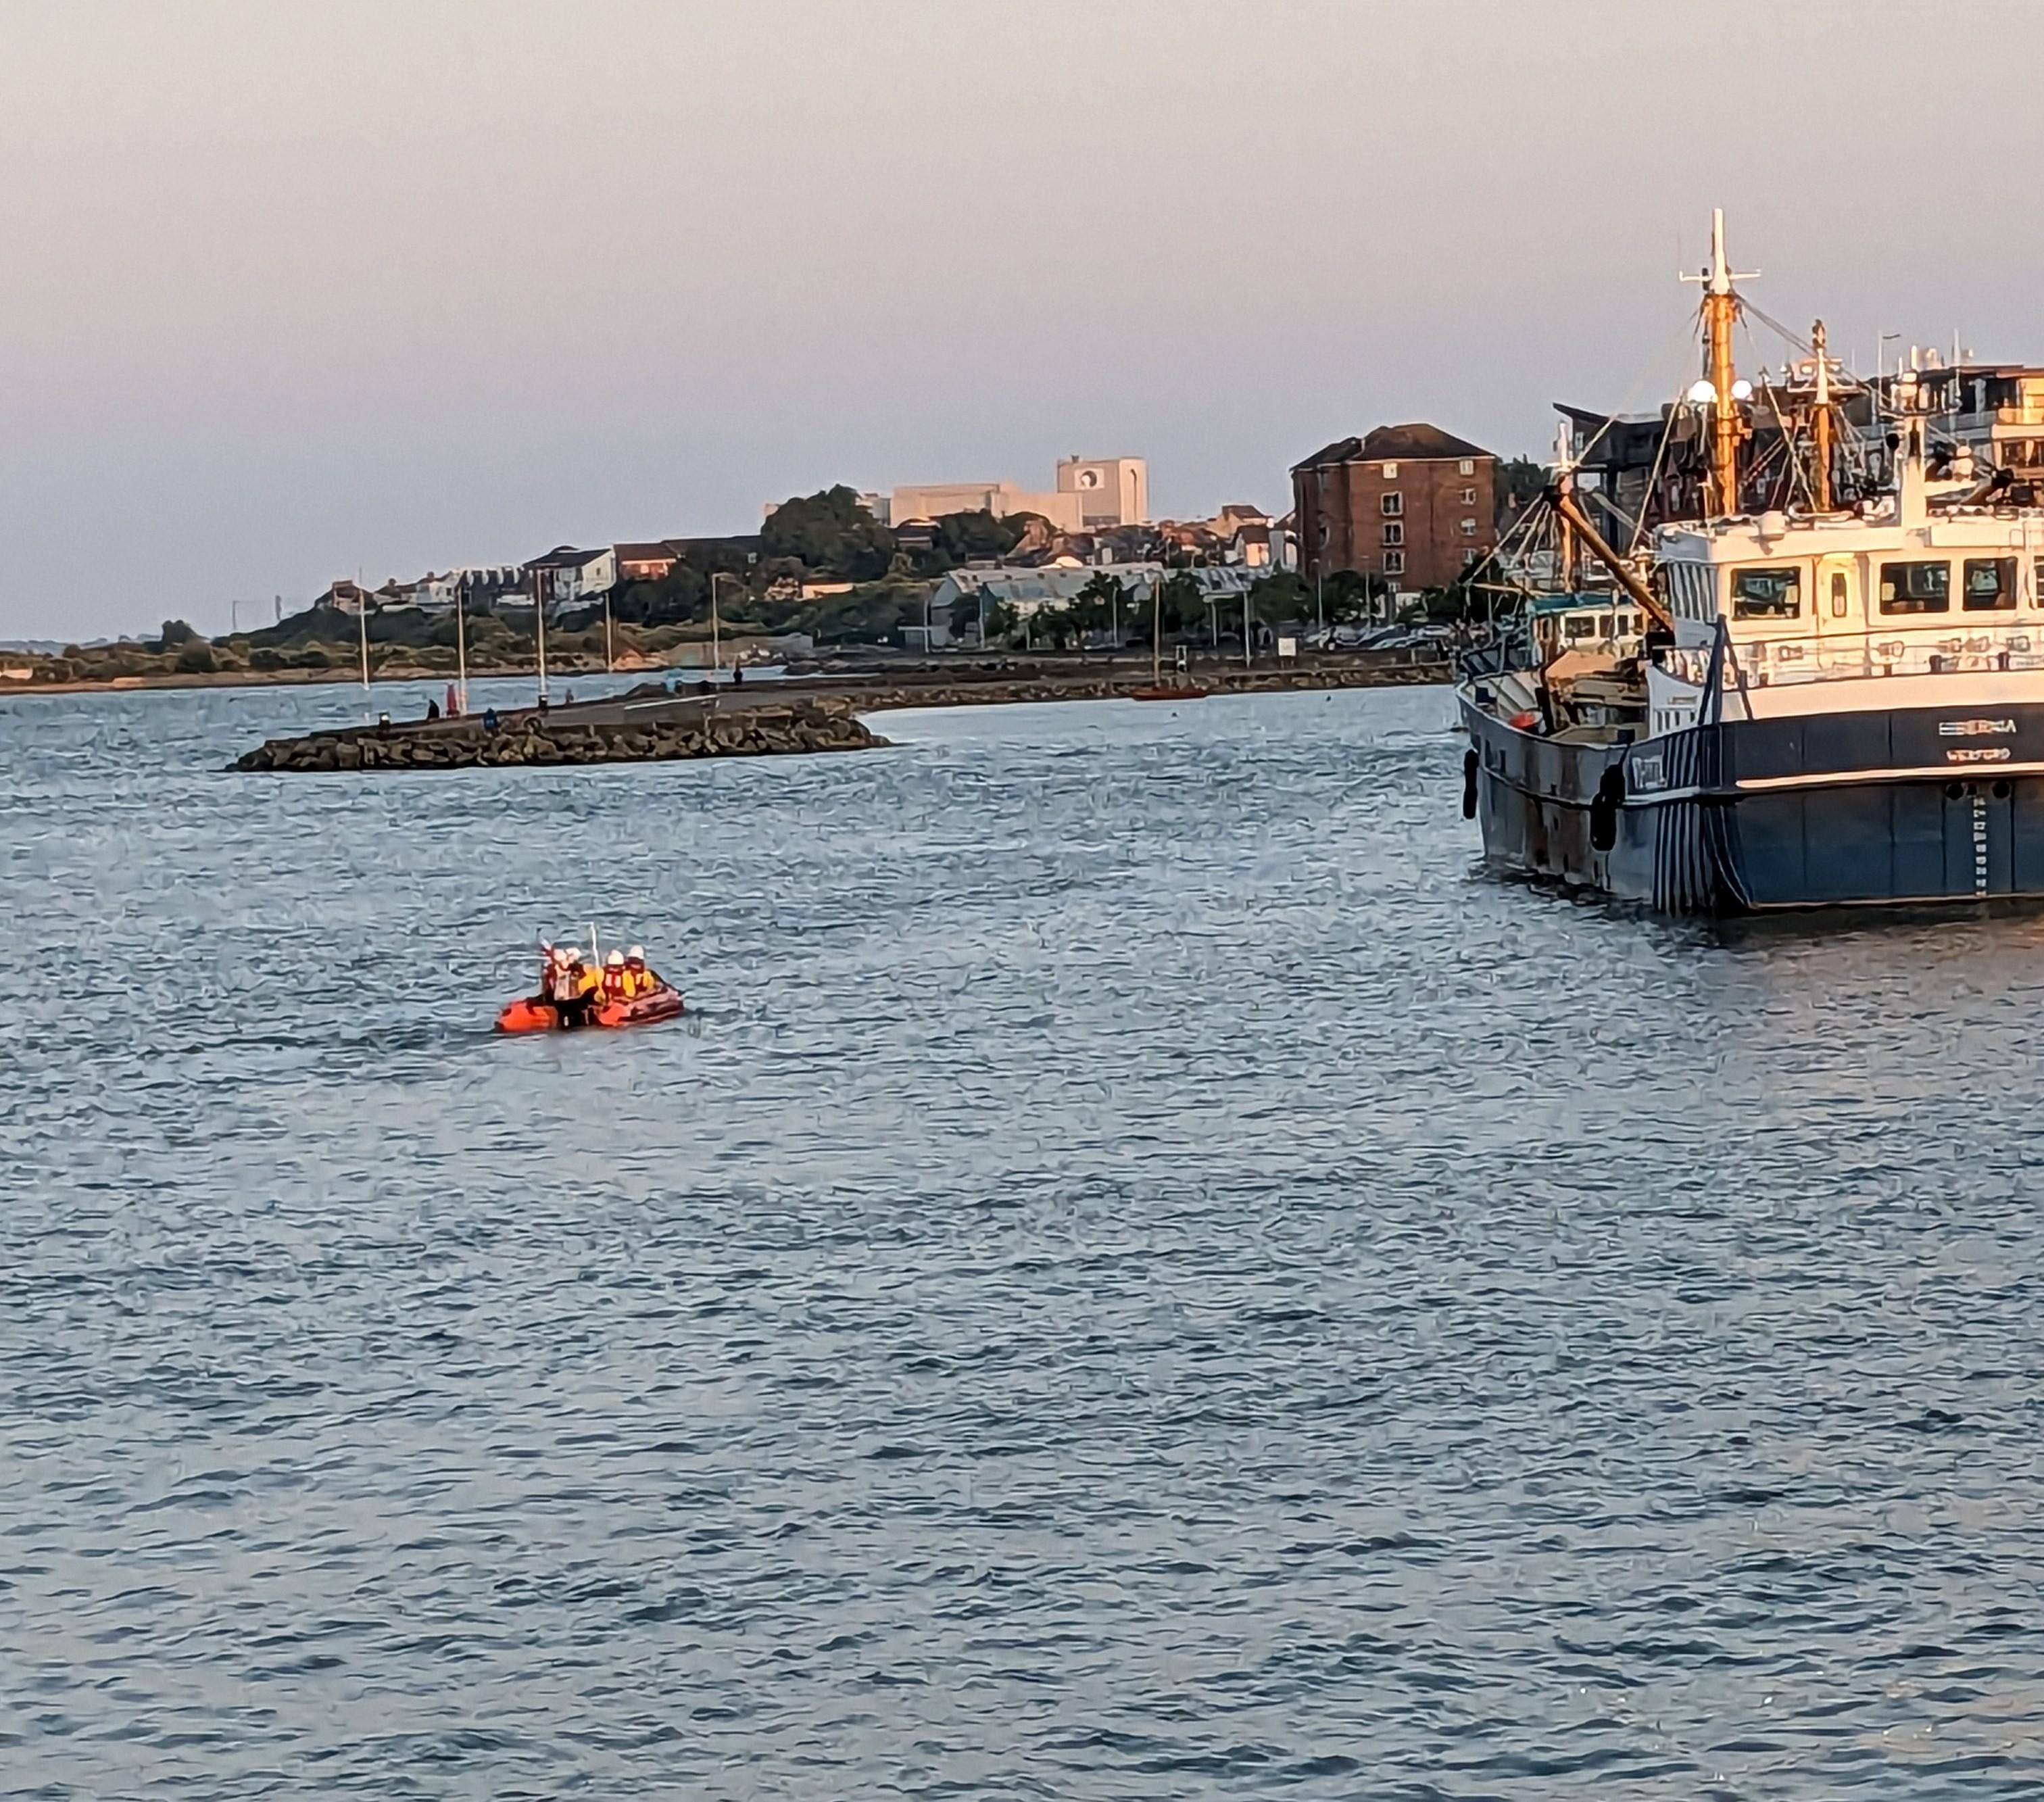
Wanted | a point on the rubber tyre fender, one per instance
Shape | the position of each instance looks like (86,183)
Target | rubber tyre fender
(1604,808)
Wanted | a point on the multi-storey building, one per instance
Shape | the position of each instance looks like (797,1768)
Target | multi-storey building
(1411,504)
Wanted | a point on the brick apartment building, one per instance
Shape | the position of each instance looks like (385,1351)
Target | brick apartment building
(1412,504)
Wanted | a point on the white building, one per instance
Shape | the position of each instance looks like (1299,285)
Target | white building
(1093,494)
(568,577)
(1112,490)
(922,502)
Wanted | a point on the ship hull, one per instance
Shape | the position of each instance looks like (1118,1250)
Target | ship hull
(1918,805)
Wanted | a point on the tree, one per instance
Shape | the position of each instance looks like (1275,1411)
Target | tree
(831,532)
(1101,605)
(175,632)
(1186,612)
(872,614)
(959,538)
(1003,624)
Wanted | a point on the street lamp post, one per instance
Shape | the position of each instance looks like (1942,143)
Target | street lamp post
(461,640)
(539,626)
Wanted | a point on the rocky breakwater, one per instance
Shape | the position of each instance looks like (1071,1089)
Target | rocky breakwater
(533,741)
(879,695)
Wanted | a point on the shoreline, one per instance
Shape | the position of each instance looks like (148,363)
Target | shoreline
(293,678)
(1072,676)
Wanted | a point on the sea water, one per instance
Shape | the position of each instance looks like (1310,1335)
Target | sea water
(1150,1274)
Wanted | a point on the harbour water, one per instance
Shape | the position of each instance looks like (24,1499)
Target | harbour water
(1149,1277)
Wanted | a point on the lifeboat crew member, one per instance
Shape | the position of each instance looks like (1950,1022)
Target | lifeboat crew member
(577,991)
(643,981)
(553,964)
(616,980)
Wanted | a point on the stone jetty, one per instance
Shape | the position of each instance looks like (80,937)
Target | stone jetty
(810,713)
(532,739)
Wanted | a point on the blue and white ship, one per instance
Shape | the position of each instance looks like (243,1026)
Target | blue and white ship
(1823,704)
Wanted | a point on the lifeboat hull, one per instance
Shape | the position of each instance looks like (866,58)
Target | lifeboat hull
(529,1015)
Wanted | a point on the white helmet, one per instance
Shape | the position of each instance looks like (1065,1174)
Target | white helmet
(636,955)
(572,955)
(615,961)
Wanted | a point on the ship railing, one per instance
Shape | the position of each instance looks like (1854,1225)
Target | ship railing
(1833,656)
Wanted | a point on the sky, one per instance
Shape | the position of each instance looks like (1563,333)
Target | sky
(295,289)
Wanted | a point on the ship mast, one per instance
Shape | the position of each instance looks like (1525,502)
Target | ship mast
(1820,425)
(1565,482)
(1720,309)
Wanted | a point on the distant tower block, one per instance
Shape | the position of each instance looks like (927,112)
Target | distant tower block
(1112,490)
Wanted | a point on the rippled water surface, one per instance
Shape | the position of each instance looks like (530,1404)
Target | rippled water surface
(1149,1277)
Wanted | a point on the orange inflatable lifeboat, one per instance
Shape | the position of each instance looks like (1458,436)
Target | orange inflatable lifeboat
(529,1014)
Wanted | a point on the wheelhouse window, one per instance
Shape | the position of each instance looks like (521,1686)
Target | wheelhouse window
(1920,587)
(1766,594)
(1838,594)
(1990,584)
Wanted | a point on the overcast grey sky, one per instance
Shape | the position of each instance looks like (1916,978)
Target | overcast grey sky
(294,288)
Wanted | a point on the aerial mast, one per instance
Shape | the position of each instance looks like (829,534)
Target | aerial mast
(1720,309)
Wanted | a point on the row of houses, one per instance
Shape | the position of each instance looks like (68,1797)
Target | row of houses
(1411,505)
(566,577)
